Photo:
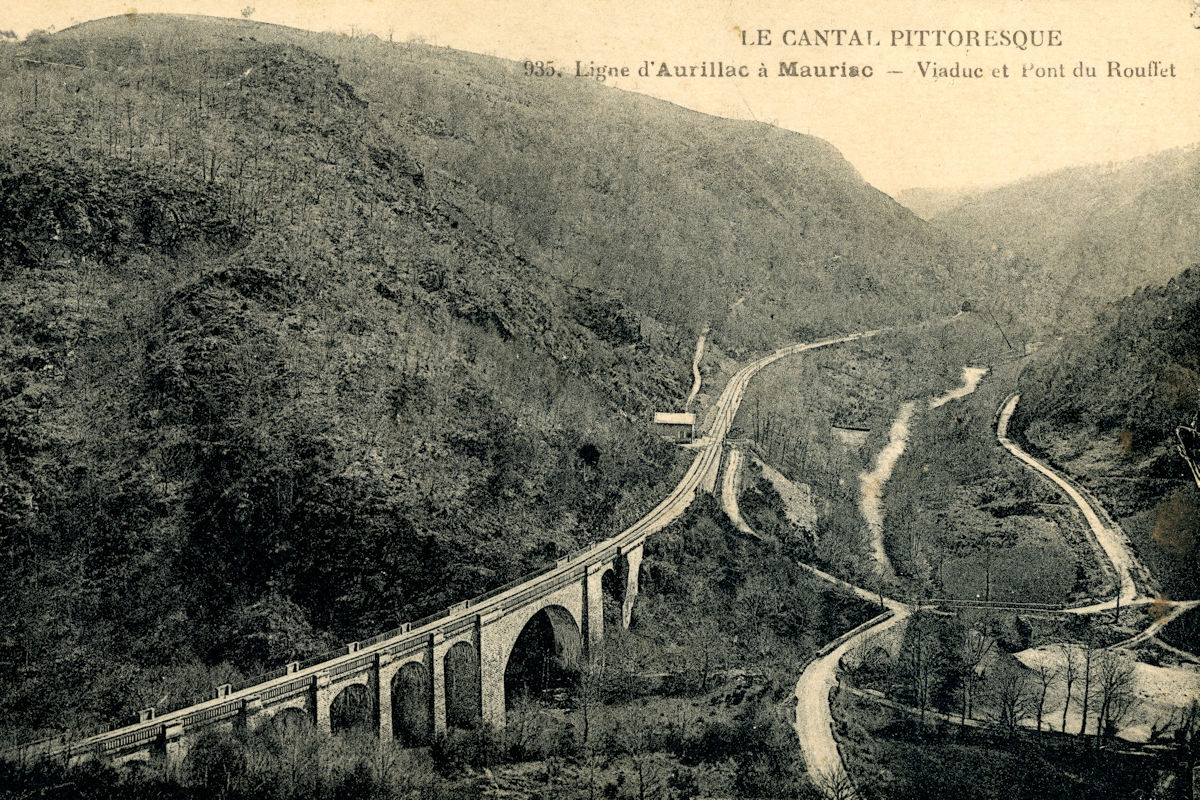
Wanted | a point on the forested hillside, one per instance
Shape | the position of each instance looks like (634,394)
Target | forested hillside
(1106,404)
(1099,231)
(679,213)
(264,384)
(305,335)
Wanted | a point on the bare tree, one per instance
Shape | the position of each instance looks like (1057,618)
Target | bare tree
(757,599)
(1186,730)
(921,661)
(1186,733)
(1070,674)
(522,722)
(590,689)
(1013,693)
(1089,655)
(594,763)
(1114,689)
(1046,675)
(638,744)
(707,639)
(973,648)
(988,557)
(835,784)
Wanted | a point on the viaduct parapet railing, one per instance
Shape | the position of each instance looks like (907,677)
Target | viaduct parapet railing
(446,670)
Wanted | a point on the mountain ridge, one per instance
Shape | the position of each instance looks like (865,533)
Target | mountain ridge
(1099,231)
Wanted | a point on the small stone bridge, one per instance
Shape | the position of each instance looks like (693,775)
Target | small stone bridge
(447,670)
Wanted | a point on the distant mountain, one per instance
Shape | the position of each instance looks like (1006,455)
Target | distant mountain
(1098,231)
(929,203)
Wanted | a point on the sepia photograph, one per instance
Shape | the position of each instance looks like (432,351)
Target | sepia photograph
(664,400)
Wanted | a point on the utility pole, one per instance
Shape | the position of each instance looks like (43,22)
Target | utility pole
(1002,333)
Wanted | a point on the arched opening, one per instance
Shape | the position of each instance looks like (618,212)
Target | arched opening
(351,709)
(544,660)
(462,687)
(291,720)
(294,734)
(412,709)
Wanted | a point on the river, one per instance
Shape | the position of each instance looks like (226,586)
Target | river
(971,376)
(872,483)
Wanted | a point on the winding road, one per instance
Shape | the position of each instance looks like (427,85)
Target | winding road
(701,473)
(1116,548)
(814,719)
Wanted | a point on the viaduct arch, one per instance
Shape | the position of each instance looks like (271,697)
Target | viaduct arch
(412,705)
(545,654)
(575,583)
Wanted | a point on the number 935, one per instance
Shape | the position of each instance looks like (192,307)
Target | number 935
(539,69)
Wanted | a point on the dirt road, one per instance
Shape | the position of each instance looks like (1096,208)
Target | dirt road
(1116,549)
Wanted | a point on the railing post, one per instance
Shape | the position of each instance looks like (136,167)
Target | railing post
(146,714)
(251,712)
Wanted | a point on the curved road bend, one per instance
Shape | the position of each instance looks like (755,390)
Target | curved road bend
(703,468)
(1115,548)
(814,720)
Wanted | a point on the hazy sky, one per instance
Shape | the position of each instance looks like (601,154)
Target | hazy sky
(899,130)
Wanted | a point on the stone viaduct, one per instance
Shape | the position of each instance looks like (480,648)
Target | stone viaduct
(417,680)
(447,670)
